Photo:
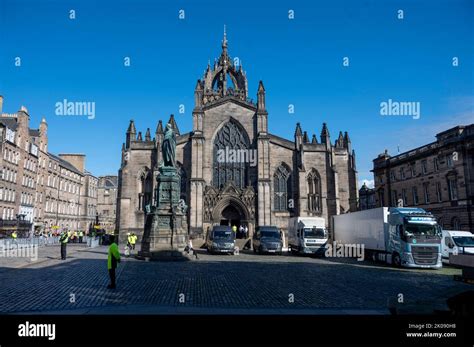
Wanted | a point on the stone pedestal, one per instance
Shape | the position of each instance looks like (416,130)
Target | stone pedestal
(166,228)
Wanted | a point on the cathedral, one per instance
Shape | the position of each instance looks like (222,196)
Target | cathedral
(233,171)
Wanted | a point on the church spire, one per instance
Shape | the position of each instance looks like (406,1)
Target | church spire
(340,140)
(325,135)
(347,142)
(130,134)
(174,125)
(305,137)
(298,131)
(224,40)
(159,128)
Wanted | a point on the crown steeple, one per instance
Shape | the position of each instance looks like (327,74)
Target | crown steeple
(224,78)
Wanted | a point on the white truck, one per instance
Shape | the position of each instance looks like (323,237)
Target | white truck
(307,235)
(403,236)
(456,242)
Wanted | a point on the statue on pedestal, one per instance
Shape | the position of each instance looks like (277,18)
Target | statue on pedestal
(166,228)
(168,147)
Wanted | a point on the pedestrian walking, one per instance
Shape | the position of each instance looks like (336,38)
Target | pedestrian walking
(63,239)
(129,244)
(189,248)
(81,235)
(112,261)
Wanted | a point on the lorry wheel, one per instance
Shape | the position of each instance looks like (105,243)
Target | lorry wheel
(396,260)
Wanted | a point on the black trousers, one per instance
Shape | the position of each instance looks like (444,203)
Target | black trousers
(80,239)
(63,250)
(112,276)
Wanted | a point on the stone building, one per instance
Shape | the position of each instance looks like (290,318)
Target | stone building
(438,177)
(366,198)
(39,190)
(233,171)
(107,202)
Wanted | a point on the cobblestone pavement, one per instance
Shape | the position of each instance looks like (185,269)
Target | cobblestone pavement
(27,254)
(244,281)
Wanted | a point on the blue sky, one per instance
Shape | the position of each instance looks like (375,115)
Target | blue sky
(299,61)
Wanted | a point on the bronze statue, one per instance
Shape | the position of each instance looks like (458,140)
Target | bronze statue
(168,148)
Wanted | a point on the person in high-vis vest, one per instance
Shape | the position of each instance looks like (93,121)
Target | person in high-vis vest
(14,237)
(112,261)
(63,239)
(81,235)
(134,240)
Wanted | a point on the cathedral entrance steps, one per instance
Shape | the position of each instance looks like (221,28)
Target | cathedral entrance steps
(243,243)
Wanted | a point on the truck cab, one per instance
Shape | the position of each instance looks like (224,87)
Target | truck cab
(307,235)
(414,238)
(456,242)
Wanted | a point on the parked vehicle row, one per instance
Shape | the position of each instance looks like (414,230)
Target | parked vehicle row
(403,236)
(305,236)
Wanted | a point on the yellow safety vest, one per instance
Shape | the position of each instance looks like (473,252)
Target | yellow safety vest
(14,235)
(64,238)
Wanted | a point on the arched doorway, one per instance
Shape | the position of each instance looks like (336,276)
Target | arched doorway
(232,212)
(230,216)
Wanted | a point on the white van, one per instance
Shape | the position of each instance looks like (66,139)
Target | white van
(307,235)
(456,242)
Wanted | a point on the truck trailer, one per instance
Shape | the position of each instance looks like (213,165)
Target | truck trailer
(402,236)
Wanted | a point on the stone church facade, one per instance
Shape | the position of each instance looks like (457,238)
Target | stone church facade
(269,180)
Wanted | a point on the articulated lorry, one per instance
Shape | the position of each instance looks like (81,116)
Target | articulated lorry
(403,236)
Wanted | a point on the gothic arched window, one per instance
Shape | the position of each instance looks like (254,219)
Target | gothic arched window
(184,182)
(231,151)
(281,188)
(145,189)
(314,191)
